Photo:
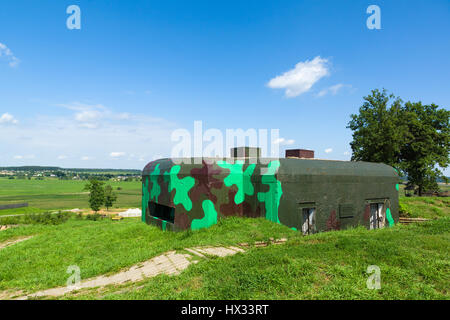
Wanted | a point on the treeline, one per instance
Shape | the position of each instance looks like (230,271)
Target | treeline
(76,170)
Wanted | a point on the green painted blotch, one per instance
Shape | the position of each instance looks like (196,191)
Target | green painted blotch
(389,217)
(145,197)
(242,179)
(272,197)
(209,218)
(182,187)
(156,189)
(396,187)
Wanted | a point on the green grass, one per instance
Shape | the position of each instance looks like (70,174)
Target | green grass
(24,210)
(414,264)
(104,246)
(425,207)
(63,194)
(414,261)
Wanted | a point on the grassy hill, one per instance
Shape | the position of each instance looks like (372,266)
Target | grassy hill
(425,207)
(414,261)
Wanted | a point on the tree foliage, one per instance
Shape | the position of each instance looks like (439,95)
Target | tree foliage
(426,144)
(96,194)
(412,137)
(110,197)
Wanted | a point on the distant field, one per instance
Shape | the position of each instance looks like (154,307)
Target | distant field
(442,187)
(24,210)
(53,194)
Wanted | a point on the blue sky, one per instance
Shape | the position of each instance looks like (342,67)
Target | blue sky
(111,93)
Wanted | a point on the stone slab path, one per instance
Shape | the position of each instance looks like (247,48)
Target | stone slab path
(11,242)
(170,263)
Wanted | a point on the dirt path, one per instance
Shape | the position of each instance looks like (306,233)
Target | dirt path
(170,263)
(11,242)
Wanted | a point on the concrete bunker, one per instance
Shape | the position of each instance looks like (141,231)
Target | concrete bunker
(305,194)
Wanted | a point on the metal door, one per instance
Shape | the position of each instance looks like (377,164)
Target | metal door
(309,222)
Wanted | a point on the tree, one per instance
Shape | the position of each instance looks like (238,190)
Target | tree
(96,194)
(110,197)
(426,146)
(413,138)
(377,133)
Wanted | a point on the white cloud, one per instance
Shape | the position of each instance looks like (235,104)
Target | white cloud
(7,118)
(346,153)
(283,141)
(87,116)
(117,154)
(5,52)
(62,157)
(289,142)
(123,116)
(333,90)
(300,79)
(20,157)
(48,137)
(329,150)
(89,125)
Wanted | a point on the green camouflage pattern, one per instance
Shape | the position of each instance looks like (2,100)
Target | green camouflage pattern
(198,195)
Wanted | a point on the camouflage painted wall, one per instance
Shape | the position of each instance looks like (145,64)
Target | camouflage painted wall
(340,192)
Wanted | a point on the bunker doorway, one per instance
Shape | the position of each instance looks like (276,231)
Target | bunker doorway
(377,215)
(309,220)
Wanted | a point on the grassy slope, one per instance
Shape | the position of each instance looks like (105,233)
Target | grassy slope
(99,247)
(414,264)
(414,261)
(426,207)
(62,194)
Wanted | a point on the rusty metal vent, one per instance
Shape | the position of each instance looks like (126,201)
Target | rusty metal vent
(346,211)
(300,153)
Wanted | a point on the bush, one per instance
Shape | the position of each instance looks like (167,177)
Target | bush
(45,218)
(403,210)
(10,220)
(94,217)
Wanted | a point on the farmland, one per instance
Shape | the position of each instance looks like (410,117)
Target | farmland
(54,194)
